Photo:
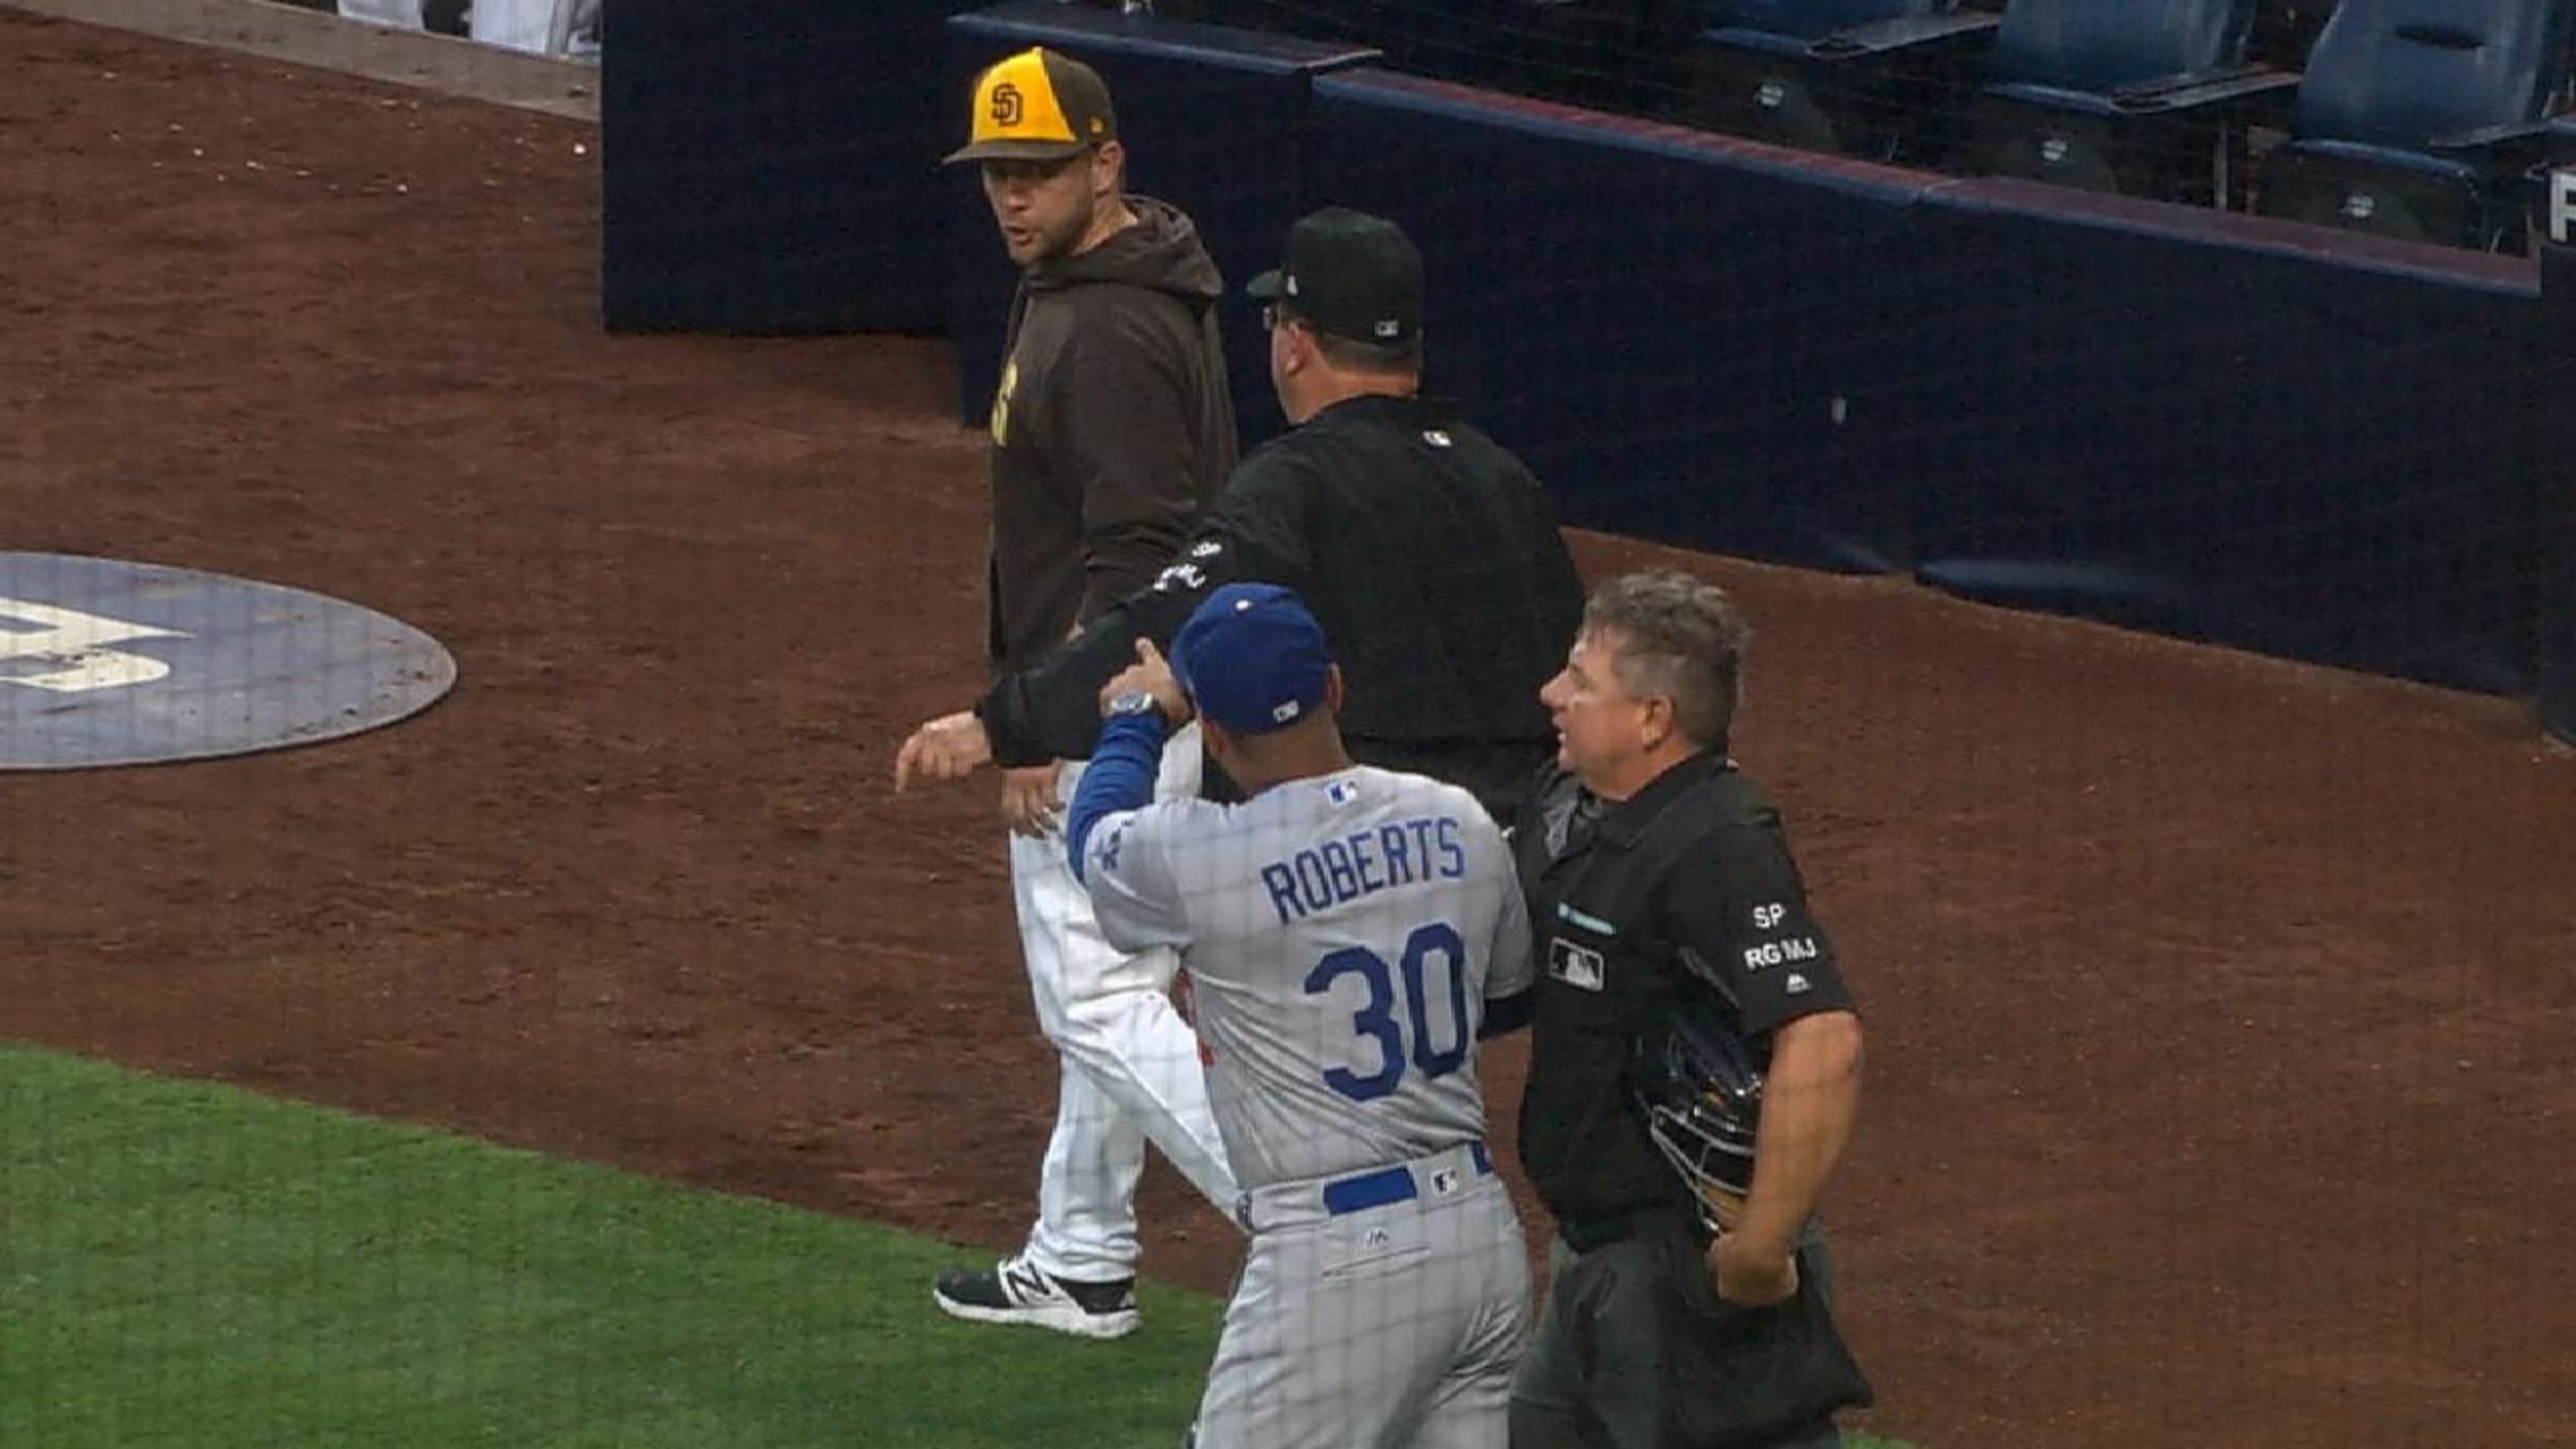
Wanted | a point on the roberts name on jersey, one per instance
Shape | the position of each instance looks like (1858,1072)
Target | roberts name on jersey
(1399,853)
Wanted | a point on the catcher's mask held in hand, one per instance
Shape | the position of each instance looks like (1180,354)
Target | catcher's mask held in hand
(1702,1096)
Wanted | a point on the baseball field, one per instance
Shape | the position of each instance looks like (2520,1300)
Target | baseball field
(2218,1092)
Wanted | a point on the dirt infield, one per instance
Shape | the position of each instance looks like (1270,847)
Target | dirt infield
(2220,1088)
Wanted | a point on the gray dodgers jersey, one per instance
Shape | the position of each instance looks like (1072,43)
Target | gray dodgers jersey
(1341,933)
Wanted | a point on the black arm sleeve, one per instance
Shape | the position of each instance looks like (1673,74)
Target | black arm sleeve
(1507,1014)
(1052,712)
(1742,921)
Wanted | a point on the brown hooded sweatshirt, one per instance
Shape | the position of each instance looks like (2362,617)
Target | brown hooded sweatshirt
(1112,430)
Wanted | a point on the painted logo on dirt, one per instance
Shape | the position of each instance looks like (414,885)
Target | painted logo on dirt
(104,662)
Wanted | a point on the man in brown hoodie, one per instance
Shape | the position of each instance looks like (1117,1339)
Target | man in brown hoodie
(1112,432)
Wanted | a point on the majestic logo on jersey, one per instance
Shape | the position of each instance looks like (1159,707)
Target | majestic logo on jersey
(1107,854)
(1576,966)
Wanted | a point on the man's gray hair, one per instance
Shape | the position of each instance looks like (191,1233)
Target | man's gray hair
(1678,637)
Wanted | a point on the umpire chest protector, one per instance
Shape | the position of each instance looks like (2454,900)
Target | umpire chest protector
(1607,885)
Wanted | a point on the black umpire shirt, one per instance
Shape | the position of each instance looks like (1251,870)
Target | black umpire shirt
(1686,886)
(1429,555)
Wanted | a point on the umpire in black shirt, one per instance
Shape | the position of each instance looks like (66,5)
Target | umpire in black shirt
(1689,1306)
(1429,554)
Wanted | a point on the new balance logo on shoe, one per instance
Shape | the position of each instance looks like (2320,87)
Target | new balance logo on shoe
(1025,1284)
(1017,1291)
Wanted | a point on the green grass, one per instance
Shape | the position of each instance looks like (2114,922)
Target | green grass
(188,1265)
(192,1265)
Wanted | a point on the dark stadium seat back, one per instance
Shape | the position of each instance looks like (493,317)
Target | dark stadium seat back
(2400,73)
(2099,46)
(2146,98)
(2420,119)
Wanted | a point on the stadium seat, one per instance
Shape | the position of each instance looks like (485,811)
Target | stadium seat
(2420,119)
(1858,77)
(2140,97)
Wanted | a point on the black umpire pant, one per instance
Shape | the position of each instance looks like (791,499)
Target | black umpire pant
(1635,1351)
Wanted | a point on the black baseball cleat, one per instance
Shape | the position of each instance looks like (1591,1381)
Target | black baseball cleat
(1016,1291)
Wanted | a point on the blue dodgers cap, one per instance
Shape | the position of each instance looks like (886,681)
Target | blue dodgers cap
(1253,659)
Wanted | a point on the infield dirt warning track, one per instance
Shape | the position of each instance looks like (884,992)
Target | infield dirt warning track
(2219,1085)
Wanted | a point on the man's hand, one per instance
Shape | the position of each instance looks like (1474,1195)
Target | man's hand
(950,747)
(1151,673)
(1030,799)
(1750,1274)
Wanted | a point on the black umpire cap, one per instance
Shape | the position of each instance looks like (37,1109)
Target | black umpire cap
(1350,274)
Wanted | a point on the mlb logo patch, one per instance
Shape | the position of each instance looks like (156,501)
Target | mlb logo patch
(1576,966)
(1444,1182)
(1341,792)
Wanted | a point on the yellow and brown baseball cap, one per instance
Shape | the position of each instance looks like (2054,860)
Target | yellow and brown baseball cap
(1038,105)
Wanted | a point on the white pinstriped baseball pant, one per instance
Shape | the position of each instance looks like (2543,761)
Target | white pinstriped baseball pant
(1129,1068)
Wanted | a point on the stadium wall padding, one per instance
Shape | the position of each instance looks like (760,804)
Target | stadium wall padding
(2218,427)
(2210,426)
(1658,321)
(1210,120)
(2558,617)
(769,167)
(2553,371)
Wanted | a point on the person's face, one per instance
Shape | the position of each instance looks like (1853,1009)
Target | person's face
(1045,209)
(1601,729)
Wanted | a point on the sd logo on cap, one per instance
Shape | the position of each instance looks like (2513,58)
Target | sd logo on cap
(1038,105)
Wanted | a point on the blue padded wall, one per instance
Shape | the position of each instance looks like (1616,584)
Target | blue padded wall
(2553,369)
(2558,606)
(2217,427)
(1209,116)
(769,167)
(2230,429)
(1676,330)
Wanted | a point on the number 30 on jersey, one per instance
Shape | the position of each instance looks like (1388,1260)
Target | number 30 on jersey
(1376,1021)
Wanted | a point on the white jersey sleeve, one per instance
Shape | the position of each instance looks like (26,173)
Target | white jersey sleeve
(1127,867)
